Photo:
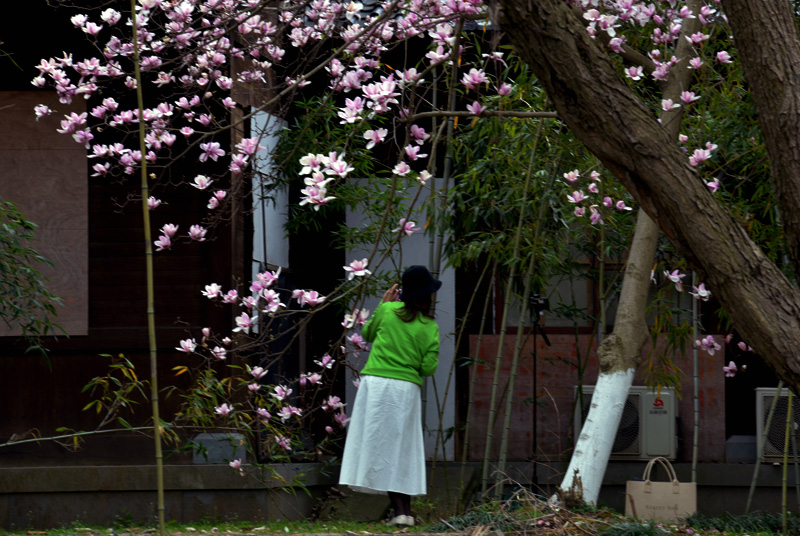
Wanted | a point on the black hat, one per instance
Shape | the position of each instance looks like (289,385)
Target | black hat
(418,281)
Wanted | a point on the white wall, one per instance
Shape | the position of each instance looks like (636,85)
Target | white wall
(415,250)
(270,244)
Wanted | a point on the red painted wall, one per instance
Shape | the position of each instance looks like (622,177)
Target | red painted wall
(556,379)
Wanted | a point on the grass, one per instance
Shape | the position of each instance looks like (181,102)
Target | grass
(522,514)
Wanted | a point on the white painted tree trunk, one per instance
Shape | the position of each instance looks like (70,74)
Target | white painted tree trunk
(618,357)
(619,353)
(593,446)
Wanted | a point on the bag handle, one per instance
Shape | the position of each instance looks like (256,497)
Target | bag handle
(665,464)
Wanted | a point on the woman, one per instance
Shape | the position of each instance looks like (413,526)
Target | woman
(384,450)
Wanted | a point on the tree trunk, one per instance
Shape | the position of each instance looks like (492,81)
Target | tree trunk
(619,129)
(768,45)
(619,354)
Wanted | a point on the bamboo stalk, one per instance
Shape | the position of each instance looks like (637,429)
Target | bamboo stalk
(761,445)
(519,342)
(696,394)
(506,307)
(784,481)
(501,466)
(151,327)
(796,466)
(451,372)
(474,367)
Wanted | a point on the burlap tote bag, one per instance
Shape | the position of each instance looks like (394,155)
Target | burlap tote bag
(660,500)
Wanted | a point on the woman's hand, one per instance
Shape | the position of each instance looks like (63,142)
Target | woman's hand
(392,294)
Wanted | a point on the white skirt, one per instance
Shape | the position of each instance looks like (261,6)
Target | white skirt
(384,449)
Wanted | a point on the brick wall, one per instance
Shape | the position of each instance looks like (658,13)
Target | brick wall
(556,378)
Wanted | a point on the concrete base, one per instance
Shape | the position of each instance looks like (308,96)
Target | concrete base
(741,449)
(48,497)
(36,498)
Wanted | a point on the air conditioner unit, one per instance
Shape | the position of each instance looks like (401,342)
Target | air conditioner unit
(776,435)
(647,428)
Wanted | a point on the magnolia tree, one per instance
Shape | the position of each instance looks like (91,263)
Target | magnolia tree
(188,59)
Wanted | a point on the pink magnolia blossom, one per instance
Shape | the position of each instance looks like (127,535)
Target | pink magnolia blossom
(474,78)
(419,134)
(187,346)
(327,361)
(153,203)
(307,297)
(412,151)
(263,413)
(237,464)
(504,90)
(283,442)
(286,412)
(201,182)
(211,150)
(341,418)
(197,233)
(699,156)
(667,105)
(316,196)
(169,229)
(697,38)
(280,392)
(688,97)
(744,347)
(219,352)
(163,243)
(249,146)
(572,176)
(212,291)
(41,110)
(272,301)
(475,108)
(634,73)
(675,277)
(730,370)
(349,321)
(375,137)
(708,344)
(406,227)
(401,169)
(357,269)
(576,197)
(724,57)
(224,409)
(594,216)
(357,341)
(332,403)
(700,292)
(312,378)
(244,322)
(258,372)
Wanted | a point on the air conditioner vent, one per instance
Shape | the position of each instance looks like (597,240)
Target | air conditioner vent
(647,426)
(776,435)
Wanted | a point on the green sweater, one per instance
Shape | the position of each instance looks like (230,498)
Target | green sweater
(401,350)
